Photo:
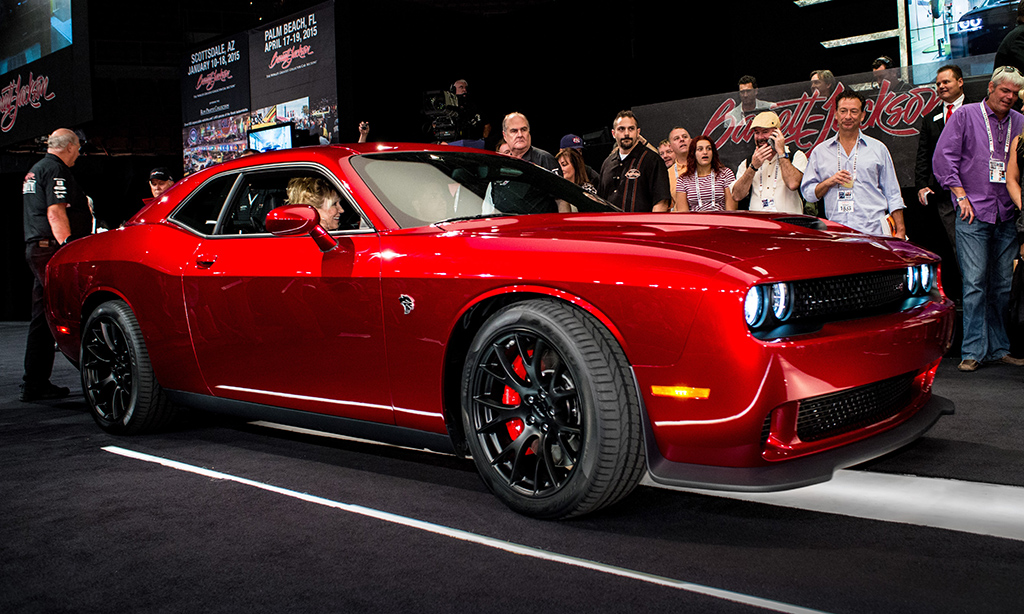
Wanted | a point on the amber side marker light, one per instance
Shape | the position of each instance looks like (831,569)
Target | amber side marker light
(680,392)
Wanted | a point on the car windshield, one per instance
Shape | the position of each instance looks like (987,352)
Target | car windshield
(423,188)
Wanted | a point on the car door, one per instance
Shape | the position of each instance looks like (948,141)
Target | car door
(275,321)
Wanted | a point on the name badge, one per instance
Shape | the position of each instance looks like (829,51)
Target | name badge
(997,171)
(845,202)
(768,204)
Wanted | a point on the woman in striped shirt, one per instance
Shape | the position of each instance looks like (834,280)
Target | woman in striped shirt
(705,184)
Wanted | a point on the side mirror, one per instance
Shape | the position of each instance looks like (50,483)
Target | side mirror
(295,220)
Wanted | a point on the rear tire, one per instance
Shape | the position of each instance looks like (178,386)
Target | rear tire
(550,411)
(117,377)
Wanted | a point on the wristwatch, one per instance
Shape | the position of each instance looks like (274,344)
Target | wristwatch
(961,198)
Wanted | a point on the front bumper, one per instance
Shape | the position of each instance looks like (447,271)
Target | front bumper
(797,472)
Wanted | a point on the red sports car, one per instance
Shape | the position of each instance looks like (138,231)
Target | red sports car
(460,301)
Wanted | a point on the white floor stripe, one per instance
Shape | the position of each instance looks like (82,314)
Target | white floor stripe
(971,507)
(482,540)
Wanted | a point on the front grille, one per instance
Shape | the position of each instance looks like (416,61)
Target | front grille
(842,412)
(849,294)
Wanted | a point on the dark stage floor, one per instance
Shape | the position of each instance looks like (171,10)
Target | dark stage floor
(219,515)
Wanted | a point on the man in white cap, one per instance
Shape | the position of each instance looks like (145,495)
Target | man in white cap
(772,174)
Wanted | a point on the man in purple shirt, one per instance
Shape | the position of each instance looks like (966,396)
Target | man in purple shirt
(970,161)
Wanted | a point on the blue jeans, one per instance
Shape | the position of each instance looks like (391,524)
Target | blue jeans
(985,253)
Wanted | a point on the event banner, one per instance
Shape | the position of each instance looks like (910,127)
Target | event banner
(216,81)
(893,108)
(293,74)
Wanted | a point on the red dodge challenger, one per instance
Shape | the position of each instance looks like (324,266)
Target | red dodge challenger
(467,302)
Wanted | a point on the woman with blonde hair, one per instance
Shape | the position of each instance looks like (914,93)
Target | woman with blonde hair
(320,195)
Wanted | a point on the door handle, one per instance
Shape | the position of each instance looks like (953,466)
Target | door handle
(205,261)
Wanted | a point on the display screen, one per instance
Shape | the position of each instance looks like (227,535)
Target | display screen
(31,30)
(272,137)
(942,30)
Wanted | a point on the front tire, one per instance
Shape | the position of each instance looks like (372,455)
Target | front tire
(550,411)
(117,377)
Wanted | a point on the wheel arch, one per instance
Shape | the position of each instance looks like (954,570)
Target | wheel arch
(469,322)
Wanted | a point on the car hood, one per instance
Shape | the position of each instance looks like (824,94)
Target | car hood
(727,237)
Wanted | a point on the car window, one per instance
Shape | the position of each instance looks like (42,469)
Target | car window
(260,192)
(422,188)
(202,208)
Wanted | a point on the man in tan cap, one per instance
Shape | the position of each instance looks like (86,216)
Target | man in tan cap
(772,174)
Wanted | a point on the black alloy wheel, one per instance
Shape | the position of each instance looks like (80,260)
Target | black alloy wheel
(550,411)
(117,378)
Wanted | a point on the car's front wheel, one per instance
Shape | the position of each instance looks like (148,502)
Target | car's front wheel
(550,411)
(117,378)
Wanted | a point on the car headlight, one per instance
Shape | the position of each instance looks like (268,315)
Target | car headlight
(913,279)
(782,301)
(754,307)
(927,277)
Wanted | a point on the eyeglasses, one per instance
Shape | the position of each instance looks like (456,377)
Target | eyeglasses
(1005,69)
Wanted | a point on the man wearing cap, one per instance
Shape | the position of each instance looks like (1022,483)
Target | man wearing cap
(772,174)
(854,175)
(970,161)
(515,129)
(159,180)
(56,211)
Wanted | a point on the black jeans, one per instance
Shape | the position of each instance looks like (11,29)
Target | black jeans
(39,350)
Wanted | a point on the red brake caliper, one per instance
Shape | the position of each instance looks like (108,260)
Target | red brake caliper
(511,397)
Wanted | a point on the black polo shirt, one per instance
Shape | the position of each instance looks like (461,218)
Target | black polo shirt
(635,183)
(50,182)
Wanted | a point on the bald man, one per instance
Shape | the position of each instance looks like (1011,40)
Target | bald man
(56,211)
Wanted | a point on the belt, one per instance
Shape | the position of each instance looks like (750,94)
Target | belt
(45,243)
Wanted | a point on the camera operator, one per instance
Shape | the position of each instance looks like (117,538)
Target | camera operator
(471,122)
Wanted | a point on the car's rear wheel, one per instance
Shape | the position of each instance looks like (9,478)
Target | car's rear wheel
(550,411)
(117,378)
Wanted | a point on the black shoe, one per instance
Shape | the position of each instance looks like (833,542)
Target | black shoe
(44,392)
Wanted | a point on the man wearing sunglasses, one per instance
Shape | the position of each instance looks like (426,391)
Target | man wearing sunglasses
(970,161)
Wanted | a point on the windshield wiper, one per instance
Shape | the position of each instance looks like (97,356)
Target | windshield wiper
(471,217)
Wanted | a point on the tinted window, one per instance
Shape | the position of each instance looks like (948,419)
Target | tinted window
(201,210)
(421,188)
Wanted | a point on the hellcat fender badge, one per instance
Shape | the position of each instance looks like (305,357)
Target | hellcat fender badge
(407,303)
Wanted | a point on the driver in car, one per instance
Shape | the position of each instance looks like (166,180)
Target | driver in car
(320,195)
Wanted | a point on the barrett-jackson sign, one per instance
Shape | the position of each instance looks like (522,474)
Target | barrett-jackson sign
(216,82)
(807,118)
(34,93)
(44,95)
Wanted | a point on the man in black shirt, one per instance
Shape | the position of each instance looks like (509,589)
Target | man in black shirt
(633,177)
(515,129)
(56,211)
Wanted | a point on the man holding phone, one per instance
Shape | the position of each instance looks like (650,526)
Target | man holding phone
(772,174)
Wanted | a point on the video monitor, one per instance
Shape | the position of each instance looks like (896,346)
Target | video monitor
(280,136)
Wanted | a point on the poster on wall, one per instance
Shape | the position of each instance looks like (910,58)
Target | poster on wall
(216,81)
(215,102)
(44,68)
(293,75)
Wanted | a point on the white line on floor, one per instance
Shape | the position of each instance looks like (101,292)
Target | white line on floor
(482,540)
(971,507)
